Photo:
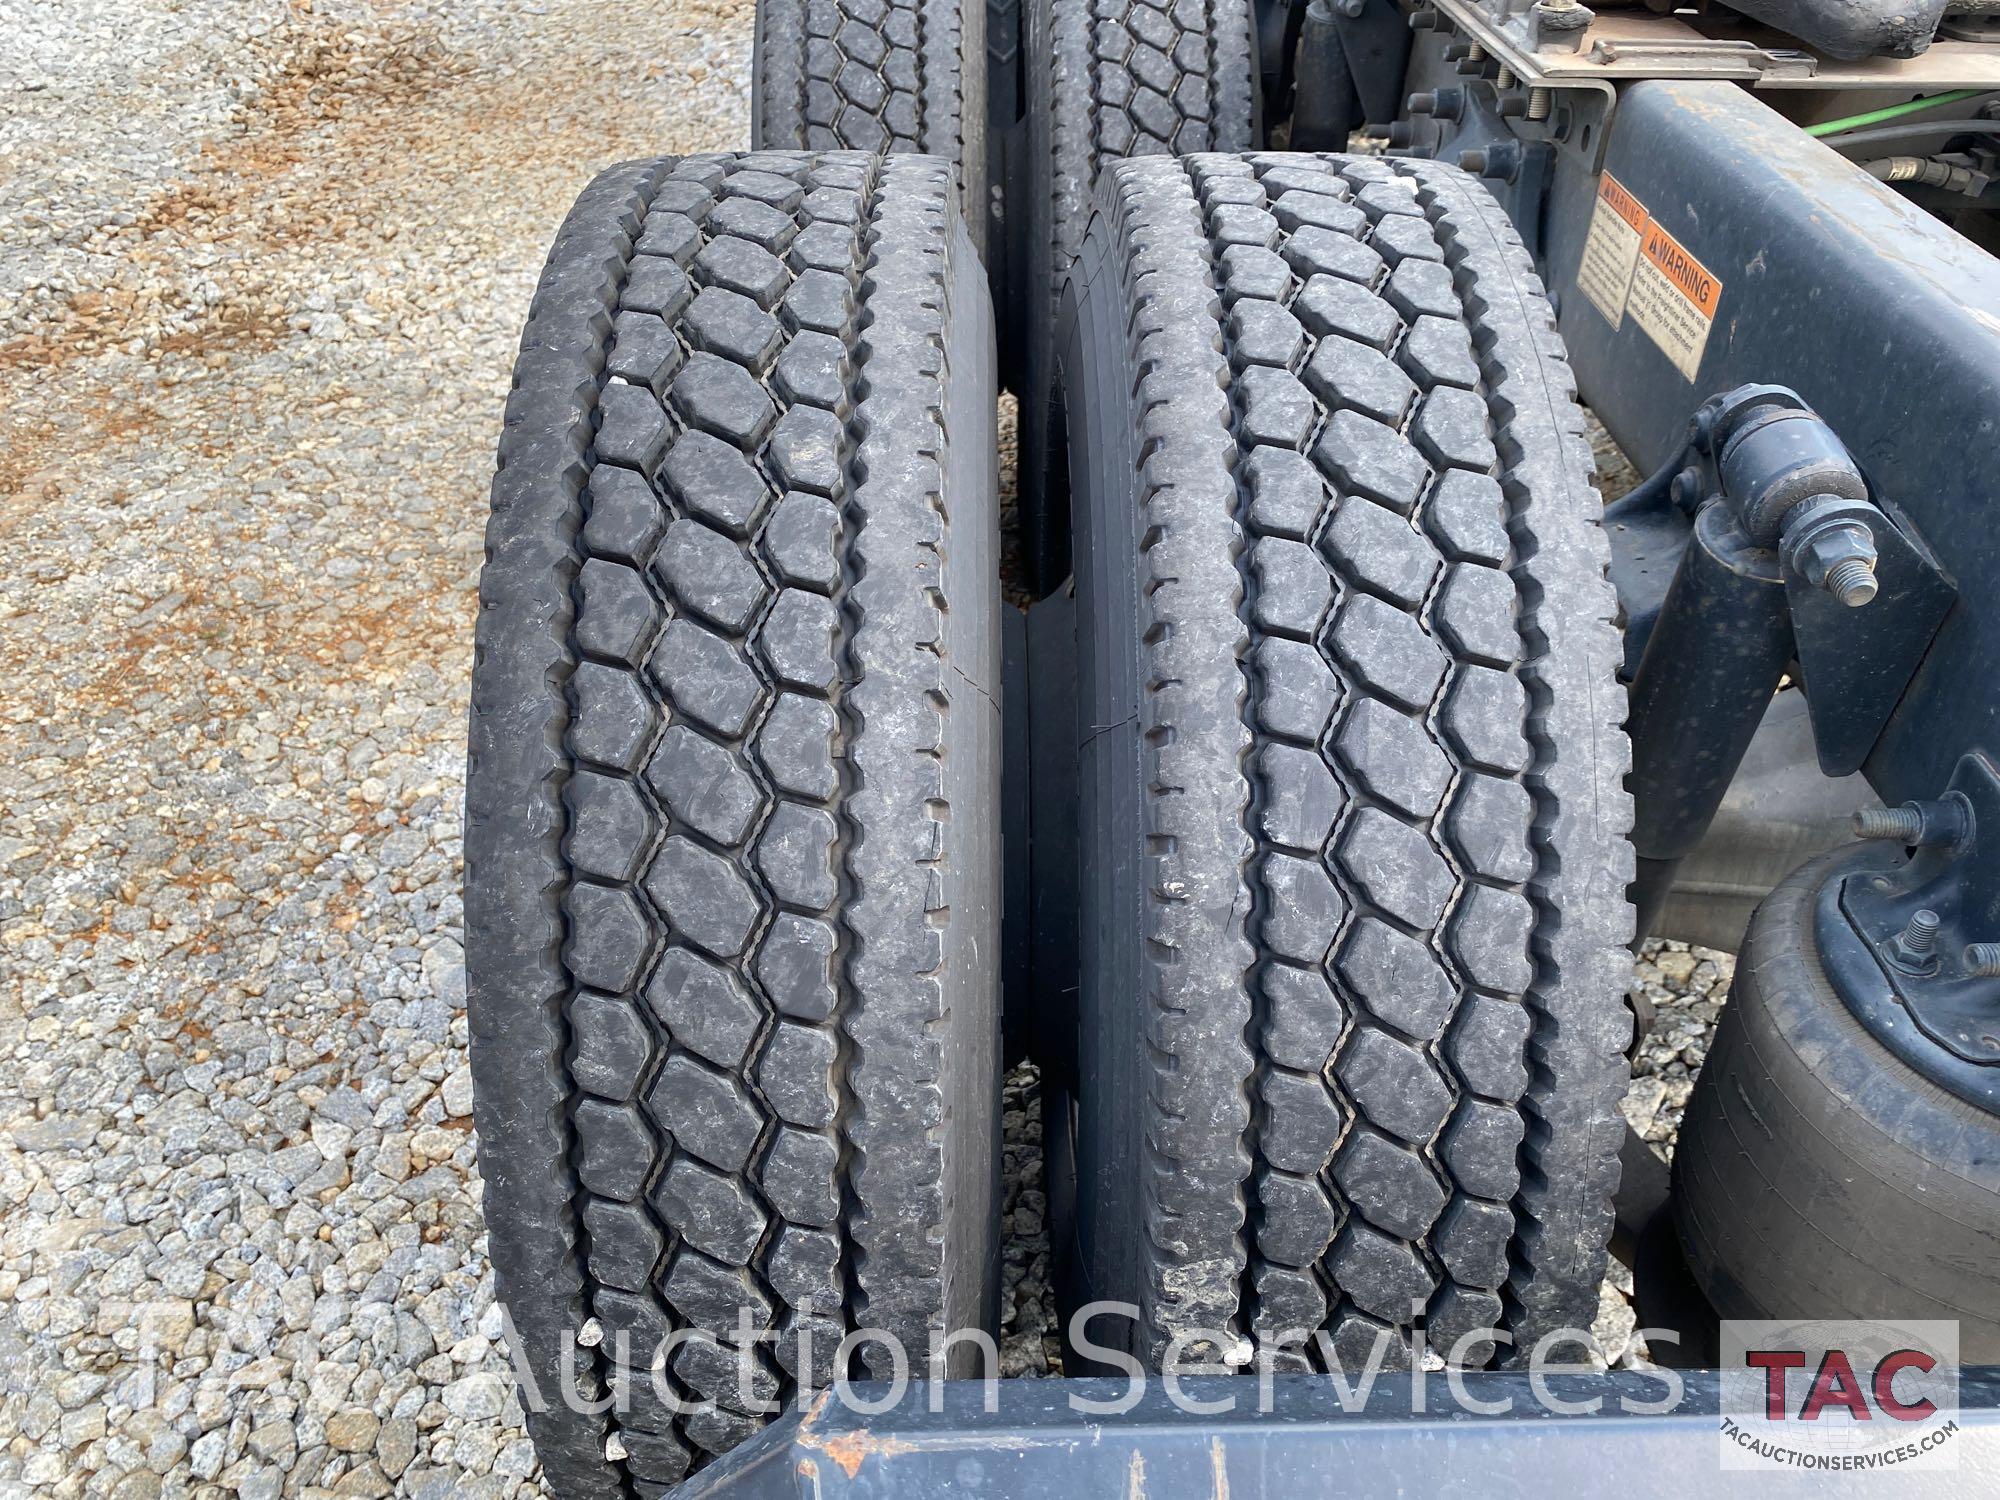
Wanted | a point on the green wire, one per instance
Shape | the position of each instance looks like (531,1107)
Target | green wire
(1891,112)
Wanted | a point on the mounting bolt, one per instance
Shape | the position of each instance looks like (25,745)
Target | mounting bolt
(1472,160)
(1982,960)
(1538,103)
(1921,825)
(1504,78)
(1833,550)
(1914,949)
(1904,824)
(1852,581)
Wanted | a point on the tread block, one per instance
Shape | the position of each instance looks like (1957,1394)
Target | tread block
(1286,491)
(1297,691)
(1312,252)
(715,482)
(1397,978)
(1392,757)
(1488,936)
(1262,333)
(703,1007)
(796,747)
(1471,1241)
(616,614)
(644,352)
(731,326)
(1298,1222)
(1300,797)
(1388,651)
(710,1210)
(1293,591)
(1395,868)
(1289,1302)
(1380,1274)
(1480,1146)
(613,1046)
(610,826)
(706,677)
(799,640)
(615,1150)
(796,1074)
(1452,430)
(625,1244)
(813,369)
(795,967)
(712,1296)
(803,1266)
(1368,458)
(610,938)
(1467,516)
(1389,1184)
(805,450)
(703,896)
(1483,717)
(704,785)
(1358,1342)
(1438,351)
(803,539)
(1393,1084)
(1274,407)
(1344,373)
(795,854)
(1460,1325)
(800,1176)
(1489,1047)
(708,1114)
(1489,826)
(1301,1122)
(626,518)
(1302,909)
(723,400)
(613,720)
(1302,1017)
(1476,612)
(1376,549)
(710,577)
(1333,306)
(740,266)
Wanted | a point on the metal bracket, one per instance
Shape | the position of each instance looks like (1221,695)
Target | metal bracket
(1894,941)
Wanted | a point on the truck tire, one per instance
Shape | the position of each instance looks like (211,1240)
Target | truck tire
(1817,1174)
(1354,829)
(732,882)
(876,76)
(1157,77)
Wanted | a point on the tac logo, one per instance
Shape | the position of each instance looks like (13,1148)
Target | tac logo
(1840,1396)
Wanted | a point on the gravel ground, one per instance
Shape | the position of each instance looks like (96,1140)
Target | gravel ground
(262,268)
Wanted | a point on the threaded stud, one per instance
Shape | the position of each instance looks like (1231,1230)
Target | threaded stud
(1904,824)
(1538,103)
(1852,581)
(1982,960)
(1915,947)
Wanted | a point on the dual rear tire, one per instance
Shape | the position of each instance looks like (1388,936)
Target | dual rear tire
(1352,860)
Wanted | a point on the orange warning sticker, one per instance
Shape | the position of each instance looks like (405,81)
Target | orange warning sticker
(1632,267)
(1611,248)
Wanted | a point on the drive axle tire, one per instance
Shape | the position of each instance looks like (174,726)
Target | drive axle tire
(1148,78)
(732,883)
(1817,1174)
(1353,819)
(877,76)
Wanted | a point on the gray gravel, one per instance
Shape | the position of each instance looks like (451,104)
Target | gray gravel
(261,272)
